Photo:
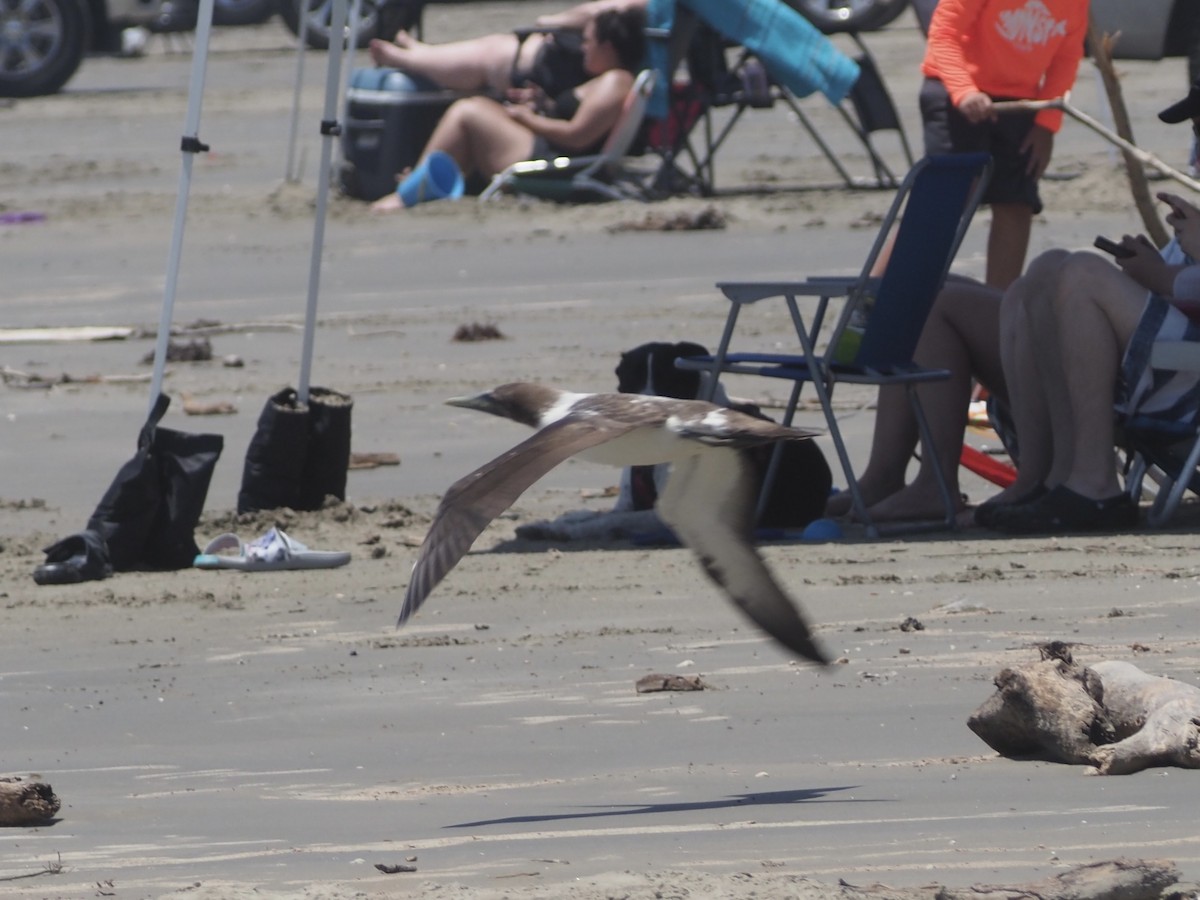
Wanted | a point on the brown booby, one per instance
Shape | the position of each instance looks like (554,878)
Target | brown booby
(709,500)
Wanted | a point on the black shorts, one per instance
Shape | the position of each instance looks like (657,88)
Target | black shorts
(948,131)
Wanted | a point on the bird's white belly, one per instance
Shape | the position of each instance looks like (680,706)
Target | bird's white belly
(643,447)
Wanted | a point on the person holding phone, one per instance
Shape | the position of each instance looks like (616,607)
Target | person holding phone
(1078,360)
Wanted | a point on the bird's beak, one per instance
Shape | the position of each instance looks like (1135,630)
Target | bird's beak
(484,402)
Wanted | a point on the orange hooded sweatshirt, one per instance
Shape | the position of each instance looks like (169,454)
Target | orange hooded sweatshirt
(1027,49)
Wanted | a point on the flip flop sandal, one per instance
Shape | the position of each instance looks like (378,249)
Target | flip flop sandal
(273,552)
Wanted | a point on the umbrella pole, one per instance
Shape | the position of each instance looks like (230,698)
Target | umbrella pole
(190,145)
(330,130)
(291,175)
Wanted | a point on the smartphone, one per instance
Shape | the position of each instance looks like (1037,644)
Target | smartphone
(1118,250)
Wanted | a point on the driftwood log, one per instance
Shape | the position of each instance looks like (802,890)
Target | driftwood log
(1110,715)
(1117,879)
(26,802)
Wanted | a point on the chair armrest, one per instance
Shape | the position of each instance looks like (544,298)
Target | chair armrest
(1182,356)
(820,286)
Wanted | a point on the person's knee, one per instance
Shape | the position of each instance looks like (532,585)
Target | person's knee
(462,112)
(1045,270)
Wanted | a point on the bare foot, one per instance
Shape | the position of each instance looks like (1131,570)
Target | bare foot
(385,53)
(388,203)
(842,503)
(404,39)
(916,503)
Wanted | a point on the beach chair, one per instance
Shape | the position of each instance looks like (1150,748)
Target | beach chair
(876,332)
(761,78)
(748,86)
(601,176)
(1168,459)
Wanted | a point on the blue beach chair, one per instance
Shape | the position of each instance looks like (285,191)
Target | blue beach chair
(876,333)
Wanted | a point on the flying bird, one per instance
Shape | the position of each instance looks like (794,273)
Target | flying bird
(709,500)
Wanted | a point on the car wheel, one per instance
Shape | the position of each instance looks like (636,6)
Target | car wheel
(42,43)
(319,14)
(242,12)
(832,16)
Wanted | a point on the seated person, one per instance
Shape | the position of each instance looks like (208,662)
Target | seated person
(962,334)
(1067,355)
(493,62)
(485,136)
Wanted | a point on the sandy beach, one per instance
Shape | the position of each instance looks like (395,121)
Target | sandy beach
(227,735)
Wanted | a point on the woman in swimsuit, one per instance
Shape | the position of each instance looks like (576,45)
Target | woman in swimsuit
(500,61)
(485,137)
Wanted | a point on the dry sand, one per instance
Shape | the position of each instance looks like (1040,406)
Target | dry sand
(221,735)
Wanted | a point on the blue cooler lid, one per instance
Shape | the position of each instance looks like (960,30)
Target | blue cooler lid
(377,78)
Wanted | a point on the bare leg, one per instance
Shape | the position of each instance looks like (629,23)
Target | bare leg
(892,444)
(962,335)
(1008,242)
(477,64)
(1103,308)
(1026,313)
(480,135)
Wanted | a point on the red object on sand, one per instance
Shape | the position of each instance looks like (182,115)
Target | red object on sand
(988,467)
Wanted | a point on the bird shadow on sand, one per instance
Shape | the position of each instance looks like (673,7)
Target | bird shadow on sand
(736,801)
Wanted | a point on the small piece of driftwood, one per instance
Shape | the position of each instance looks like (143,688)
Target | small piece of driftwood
(194,407)
(26,802)
(373,460)
(1109,715)
(648,684)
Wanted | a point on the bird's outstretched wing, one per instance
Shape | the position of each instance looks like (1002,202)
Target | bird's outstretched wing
(709,501)
(475,500)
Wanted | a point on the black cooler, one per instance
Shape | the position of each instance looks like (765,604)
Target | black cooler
(389,118)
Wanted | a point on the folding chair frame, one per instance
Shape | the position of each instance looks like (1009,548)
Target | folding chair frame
(1169,460)
(872,105)
(901,299)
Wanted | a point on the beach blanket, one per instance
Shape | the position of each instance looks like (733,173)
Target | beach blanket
(796,54)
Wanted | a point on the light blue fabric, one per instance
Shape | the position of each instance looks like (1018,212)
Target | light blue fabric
(796,54)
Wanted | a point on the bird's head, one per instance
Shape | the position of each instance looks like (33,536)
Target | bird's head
(520,401)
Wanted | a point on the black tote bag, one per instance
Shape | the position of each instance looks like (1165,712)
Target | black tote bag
(149,513)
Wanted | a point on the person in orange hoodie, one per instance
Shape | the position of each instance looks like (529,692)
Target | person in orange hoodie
(983,51)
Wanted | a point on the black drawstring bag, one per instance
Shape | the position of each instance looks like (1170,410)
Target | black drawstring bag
(149,513)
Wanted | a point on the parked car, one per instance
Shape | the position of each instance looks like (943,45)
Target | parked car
(1150,29)
(849,15)
(42,42)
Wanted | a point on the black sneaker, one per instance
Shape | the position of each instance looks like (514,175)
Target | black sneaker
(986,512)
(1063,510)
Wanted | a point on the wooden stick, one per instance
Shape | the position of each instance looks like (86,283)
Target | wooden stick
(1138,183)
(1137,152)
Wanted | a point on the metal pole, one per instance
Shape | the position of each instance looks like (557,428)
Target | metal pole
(189,146)
(290,174)
(330,130)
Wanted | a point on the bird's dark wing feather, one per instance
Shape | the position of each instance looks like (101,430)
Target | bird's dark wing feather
(709,501)
(474,501)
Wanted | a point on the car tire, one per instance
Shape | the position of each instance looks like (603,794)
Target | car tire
(319,14)
(837,16)
(42,43)
(242,12)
